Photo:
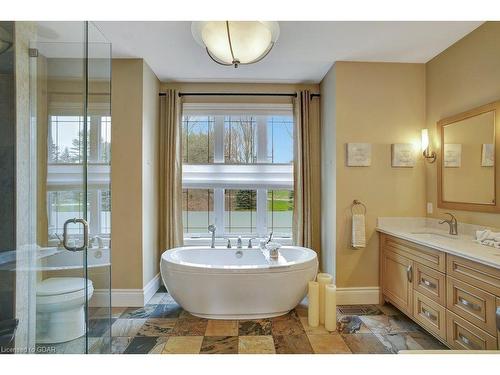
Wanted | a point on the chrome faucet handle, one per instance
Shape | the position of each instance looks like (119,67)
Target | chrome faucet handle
(250,243)
(270,237)
(239,243)
(228,243)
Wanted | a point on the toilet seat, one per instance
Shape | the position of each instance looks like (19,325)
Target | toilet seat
(61,285)
(58,290)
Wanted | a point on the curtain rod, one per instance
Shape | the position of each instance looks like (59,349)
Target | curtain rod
(181,94)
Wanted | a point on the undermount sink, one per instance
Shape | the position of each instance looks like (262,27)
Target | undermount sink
(434,235)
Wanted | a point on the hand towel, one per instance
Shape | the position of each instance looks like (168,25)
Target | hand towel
(358,231)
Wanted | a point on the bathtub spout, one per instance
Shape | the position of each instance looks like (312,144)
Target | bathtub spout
(211,229)
(239,243)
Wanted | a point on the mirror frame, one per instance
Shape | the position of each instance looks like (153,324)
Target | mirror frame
(479,207)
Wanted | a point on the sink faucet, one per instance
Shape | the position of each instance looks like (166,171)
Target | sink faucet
(211,229)
(239,243)
(452,222)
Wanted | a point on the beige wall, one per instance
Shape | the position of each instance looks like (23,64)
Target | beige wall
(464,76)
(126,174)
(150,171)
(328,167)
(134,174)
(381,104)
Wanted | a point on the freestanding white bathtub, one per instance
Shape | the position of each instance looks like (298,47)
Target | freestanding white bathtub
(225,283)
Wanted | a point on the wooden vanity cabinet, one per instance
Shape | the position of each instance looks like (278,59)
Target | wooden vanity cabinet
(455,299)
(397,279)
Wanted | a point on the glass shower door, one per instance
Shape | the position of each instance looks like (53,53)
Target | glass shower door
(70,95)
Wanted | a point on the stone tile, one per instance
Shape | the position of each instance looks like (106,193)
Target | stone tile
(387,324)
(358,310)
(119,344)
(426,341)
(222,328)
(146,345)
(157,327)
(104,312)
(319,330)
(157,299)
(219,345)
(301,308)
(398,341)
(183,345)
(256,345)
(166,311)
(292,344)
(99,326)
(138,313)
(351,324)
(190,327)
(364,343)
(261,327)
(328,344)
(389,309)
(288,324)
(126,327)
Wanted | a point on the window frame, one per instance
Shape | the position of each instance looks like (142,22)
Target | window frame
(63,176)
(219,176)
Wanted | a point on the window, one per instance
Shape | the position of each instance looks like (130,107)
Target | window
(64,173)
(237,169)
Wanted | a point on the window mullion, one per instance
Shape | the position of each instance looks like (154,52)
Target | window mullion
(219,139)
(219,210)
(261,212)
(261,139)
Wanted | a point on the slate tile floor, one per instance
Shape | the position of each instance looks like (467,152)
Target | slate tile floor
(163,327)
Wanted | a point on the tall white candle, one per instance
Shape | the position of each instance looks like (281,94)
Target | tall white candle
(323,279)
(313,307)
(330,307)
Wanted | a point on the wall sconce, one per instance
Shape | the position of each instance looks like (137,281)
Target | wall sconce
(429,155)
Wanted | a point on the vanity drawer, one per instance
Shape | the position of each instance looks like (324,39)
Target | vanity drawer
(421,254)
(471,303)
(479,275)
(430,283)
(429,314)
(463,335)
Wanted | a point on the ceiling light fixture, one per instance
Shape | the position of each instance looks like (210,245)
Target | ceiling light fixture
(235,43)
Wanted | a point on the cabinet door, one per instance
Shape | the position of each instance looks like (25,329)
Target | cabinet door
(397,280)
(498,322)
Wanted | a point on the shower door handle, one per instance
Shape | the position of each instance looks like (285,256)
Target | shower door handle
(85,234)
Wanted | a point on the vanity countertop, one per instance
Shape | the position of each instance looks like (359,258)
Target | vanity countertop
(428,232)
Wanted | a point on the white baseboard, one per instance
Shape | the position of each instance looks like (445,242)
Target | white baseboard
(358,296)
(126,297)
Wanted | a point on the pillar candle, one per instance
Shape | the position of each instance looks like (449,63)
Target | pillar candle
(313,307)
(330,307)
(323,279)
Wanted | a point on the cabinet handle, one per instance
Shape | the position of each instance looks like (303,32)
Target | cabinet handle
(498,318)
(467,342)
(428,314)
(468,304)
(409,273)
(428,283)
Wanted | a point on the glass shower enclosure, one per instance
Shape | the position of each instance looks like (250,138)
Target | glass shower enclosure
(60,274)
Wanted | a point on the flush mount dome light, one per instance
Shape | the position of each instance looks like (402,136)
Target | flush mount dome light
(234,43)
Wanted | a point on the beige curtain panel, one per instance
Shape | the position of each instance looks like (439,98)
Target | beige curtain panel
(171,231)
(307,173)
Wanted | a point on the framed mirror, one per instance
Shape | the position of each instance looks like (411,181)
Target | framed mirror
(468,166)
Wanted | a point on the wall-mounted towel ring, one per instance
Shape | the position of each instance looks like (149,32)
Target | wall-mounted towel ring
(358,206)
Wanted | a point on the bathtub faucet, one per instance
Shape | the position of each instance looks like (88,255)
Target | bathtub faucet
(211,229)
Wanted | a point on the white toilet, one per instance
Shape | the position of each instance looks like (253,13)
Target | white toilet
(60,304)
